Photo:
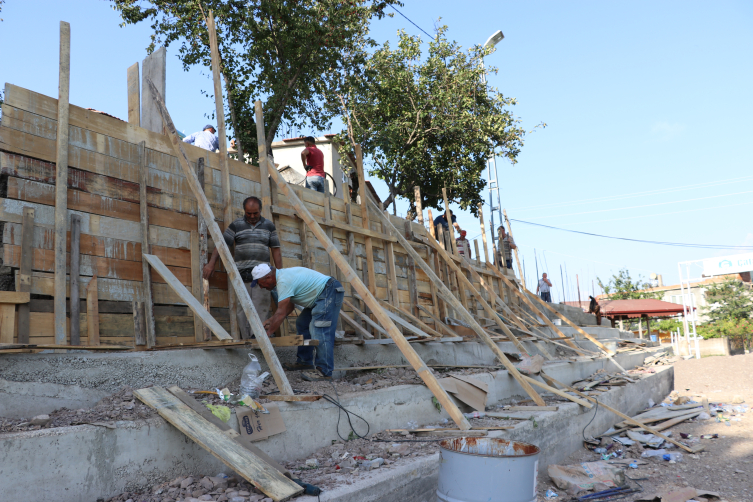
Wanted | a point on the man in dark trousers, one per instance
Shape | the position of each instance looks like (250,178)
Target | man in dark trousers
(595,309)
(321,298)
(313,162)
(255,238)
(544,287)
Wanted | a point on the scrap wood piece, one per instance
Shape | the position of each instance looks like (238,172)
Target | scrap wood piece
(674,421)
(227,258)
(623,416)
(405,348)
(558,392)
(92,312)
(366,368)
(249,466)
(531,408)
(448,429)
(296,398)
(455,303)
(187,297)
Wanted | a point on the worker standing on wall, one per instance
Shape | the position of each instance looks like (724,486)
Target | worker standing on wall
(321,297)
(544,287)
(507,244)
(313,163)
(204,139)
(255,238)
(442,220)
(595,309)
(461,243)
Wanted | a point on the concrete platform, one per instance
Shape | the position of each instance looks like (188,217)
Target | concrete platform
(86,462)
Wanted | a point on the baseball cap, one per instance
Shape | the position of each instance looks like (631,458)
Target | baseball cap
(258,272)
(209,126)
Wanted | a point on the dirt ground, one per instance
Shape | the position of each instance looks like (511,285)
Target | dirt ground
(726,464)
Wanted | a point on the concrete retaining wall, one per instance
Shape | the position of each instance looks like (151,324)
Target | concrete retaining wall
(87,462)
(710,347)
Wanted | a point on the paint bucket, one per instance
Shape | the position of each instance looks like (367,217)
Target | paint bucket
(477,469)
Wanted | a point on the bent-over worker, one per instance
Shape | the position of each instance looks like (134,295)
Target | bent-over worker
(204,139)
(442,220)
(255,238)
(321,297)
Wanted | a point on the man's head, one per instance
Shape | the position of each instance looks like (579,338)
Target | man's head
(210,128)
(264,276)
(252,210)
(501,230)
(543,276)
(463,233)
(309,141)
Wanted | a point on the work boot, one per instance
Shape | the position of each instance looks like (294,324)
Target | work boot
(298,366)
(315,376)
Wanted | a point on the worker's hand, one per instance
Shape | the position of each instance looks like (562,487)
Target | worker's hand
(208,270)
(268,323)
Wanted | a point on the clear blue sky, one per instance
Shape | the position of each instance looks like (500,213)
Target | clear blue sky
(638,97)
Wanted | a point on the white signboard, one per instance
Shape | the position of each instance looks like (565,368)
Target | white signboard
(728,264)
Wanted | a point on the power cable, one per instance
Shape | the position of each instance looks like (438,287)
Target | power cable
(662,243)
(664,214)
(411,22)
(341,408)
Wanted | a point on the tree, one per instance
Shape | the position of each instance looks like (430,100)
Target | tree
(622,287)
(728,300)
(283,52)
(428,120)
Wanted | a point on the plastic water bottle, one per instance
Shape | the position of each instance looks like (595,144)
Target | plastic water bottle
(250,381)
(669,457)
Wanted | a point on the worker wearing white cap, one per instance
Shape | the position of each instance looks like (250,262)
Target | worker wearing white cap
(321,297)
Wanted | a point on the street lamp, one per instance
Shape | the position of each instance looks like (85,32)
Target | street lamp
(491,162)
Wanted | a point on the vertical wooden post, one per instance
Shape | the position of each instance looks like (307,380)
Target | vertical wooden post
(478,252)
(151,336)
(153,68)
(432,232)
(61,184)
(139,325)
(7,322)
(227,200)
(328,215)
(199,285)
(24,274)
(363,192)
(517,257)
(74,279)
(483,230)
(419,208)
(134,96)
(411,266)
(92,312)
(449,222)
(393,296)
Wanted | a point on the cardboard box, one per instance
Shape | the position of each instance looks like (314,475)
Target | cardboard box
(255,426)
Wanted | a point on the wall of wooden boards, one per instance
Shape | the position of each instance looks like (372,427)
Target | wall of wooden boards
(103,189)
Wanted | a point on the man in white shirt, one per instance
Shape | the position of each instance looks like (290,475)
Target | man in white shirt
(545,288)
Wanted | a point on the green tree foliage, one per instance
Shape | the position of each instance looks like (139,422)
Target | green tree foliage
(728,300)
(622,287)
(286,53)
(427,119)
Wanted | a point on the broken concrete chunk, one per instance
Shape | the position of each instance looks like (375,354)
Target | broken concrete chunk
(206,483)
(312,463)
(40,420)
(186,483)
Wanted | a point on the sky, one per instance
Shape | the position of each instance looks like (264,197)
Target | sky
(647,106)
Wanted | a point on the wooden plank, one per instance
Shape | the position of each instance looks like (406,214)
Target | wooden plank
(366,319)
(134,98)
(197,281)
(15,297)
(92,312)
(187,297)
(437,322)
(139,325)
(24,275)
(360,332)
(203,258)
(75,257)
(531,408)
(151,337)
(368,244)
(254,470)
(61,192)
(233,274)
(7,322)
(420,324)
(411,269)
(305,252)
(154,68)
(293,399)
(517,257)
(464,314)
(410,354)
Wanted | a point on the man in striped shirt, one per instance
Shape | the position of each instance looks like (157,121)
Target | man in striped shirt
(255,238)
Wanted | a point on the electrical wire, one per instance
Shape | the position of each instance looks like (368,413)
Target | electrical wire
(341,408)
(662,243)
(411,22)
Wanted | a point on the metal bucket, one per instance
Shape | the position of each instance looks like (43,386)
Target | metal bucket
(477,470)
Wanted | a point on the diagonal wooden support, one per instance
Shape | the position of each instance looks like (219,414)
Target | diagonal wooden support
(227,259)
(187,297)
(462,312)
(410,354)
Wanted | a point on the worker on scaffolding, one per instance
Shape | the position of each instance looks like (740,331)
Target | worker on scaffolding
(462,244)
(506,245)
(313,163)
(321,298)
(544,288)
(442,220)
(595,309)
(204,139)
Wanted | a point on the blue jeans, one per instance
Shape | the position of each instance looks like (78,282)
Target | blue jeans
(315,183)
(508,262)
(320,322)
(547,297)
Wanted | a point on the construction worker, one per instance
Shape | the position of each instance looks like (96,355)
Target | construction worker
(442,220)
(507,244)
(204,139)
(255,239)
(461,243)
(313,163)
(595,309)
(321,298)
(544,287)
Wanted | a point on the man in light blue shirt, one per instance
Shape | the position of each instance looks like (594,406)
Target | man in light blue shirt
(204,139)
(321,297)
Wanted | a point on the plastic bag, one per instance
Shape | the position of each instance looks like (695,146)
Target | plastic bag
(580,477)
(219,411)
(250,383)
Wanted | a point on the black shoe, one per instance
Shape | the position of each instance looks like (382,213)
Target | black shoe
(315,376)
(298,366)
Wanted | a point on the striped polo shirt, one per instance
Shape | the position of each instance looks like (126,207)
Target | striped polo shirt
(252,242)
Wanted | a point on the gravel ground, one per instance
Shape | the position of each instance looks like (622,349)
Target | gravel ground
(726,464)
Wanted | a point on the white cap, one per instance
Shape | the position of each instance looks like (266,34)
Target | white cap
(258,272)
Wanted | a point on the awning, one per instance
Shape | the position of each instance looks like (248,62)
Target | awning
(639,308)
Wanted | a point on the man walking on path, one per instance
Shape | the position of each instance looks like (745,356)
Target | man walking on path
(545,288)
(204,139)
(313,163)
(507,244)
(321,297)
(255,238)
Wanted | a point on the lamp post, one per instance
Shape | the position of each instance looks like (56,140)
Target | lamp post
(491,162)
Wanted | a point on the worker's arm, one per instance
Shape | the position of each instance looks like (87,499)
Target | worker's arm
(277,257)
(209,267)
(284,308)
(457,227)
(537,288)
(548,282)
(512,243)
(190,139)
(304,154)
